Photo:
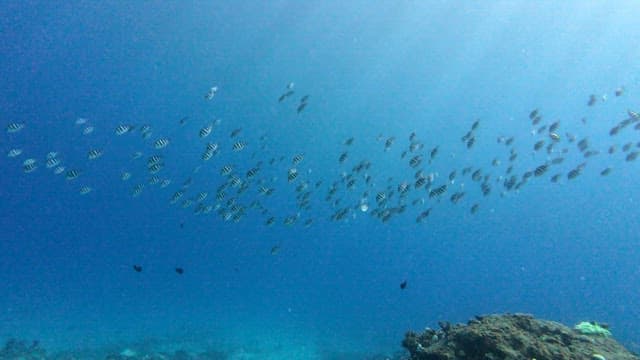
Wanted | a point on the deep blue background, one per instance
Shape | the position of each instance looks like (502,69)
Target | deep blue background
(566,252)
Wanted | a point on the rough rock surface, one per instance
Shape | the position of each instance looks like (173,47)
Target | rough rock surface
(511,337)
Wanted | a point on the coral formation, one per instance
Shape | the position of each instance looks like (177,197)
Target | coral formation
(511,337)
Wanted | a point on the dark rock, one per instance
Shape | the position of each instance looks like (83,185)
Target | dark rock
(510,337)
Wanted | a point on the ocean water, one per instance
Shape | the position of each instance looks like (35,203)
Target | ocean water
(566,250)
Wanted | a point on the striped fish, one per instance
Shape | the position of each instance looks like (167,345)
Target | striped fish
(123,129)
(297,159)
(29,165)
(15,127)
(85,190)
(239,146)
(52,162)
(94,154)
(72,174)
(205,131)
(161,143)
(137,190)
(226,170)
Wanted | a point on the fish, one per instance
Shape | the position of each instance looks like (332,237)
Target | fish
(161,143)
(226,170)
(415,161)
(423,215)
(15,127)
(125,176)
(235,132)
(81,121)
(88,130)
(438,191)
(94,154)
(136,155)
(14,153)
(211,93)
(540,170)
(403,285)
(433,153)
(292,174)
(52,162)
(123,129)
(239,146)
(606,171)
(137,190)
(72,174)
(301,107)
(592,100)
(85,190)
(285,95)
(632,156)
(176,196)
(29,165)
(470,142)
(205,131)
(137,268)
(58,170)
(474,208)
(388,143)
(179,270)
(297,159)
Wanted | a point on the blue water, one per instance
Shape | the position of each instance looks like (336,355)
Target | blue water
(564,251)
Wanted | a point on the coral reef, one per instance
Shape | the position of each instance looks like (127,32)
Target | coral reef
(511,337)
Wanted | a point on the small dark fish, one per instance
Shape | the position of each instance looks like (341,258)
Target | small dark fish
(301,107)
(179,270)
(533,114)
(606,172)
(403,285)
(632,156)
(137,268)
(619,91)
(285,95)
(275,249)
(434,152)
(470,142)
(474,208)
(592,100)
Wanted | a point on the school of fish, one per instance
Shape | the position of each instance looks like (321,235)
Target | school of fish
(243,174)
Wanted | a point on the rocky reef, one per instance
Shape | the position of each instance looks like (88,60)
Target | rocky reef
(511,337)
